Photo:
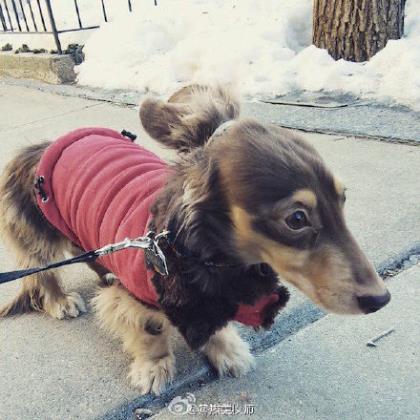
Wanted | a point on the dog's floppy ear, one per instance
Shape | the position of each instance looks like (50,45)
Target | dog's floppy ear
(162,121)
(189,124)
(194,211)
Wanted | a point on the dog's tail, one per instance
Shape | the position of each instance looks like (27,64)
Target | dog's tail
(190,116)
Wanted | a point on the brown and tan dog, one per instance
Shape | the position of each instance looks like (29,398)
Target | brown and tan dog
(254,199)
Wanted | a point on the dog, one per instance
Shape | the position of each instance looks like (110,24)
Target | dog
(245,204)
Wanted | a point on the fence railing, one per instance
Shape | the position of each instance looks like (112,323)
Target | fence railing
(37,17)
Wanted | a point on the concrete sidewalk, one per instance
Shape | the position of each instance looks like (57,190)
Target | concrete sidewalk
(326,371)
(70,369)
(319,112)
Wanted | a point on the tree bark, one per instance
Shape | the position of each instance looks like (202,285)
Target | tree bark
(356,29)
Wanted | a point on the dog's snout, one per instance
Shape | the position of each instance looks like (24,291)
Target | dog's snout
(370,304)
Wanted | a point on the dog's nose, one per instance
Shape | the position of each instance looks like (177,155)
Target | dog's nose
(370,304)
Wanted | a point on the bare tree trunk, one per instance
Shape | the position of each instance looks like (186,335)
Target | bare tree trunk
(356,29)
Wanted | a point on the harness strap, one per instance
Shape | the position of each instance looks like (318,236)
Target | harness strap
(129,135)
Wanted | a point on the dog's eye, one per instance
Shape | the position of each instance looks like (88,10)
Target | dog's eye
(297,220)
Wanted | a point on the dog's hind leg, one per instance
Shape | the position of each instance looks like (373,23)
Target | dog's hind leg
(145,334)
(33,240)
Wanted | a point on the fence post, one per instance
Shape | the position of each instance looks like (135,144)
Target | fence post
(53,26)
(16,15)
(3,19)
(104,11)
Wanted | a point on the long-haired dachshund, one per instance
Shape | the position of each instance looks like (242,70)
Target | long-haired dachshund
(245,204)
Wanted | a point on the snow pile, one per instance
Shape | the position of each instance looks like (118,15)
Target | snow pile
(262,46)
(182,41)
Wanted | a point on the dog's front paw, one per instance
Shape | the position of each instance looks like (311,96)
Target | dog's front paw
(229,354)
(235,361)
(70,305)
(152,376)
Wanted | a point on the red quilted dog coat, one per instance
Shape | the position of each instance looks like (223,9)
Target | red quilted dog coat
(99,188)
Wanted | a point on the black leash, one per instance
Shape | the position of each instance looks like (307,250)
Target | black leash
(155,258)
(14,275)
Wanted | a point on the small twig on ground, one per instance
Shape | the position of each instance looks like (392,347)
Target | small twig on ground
(372,342)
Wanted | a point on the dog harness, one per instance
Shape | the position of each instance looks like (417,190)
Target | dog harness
(96,187)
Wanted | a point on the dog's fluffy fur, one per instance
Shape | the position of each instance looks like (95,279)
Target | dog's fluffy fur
(255,195)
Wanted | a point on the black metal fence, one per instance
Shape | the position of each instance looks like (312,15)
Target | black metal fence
(37,17)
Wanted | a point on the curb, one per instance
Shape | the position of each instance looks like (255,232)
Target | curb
(52,69)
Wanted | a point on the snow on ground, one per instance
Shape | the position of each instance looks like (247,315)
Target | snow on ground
(265,47)
(181,41)
(262,47)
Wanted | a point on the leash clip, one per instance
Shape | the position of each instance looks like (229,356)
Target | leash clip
(155,259)
(141,242)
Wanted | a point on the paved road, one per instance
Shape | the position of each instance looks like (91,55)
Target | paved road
(70,369)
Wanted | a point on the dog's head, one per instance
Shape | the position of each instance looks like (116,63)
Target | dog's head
(287,210)
(273,197)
